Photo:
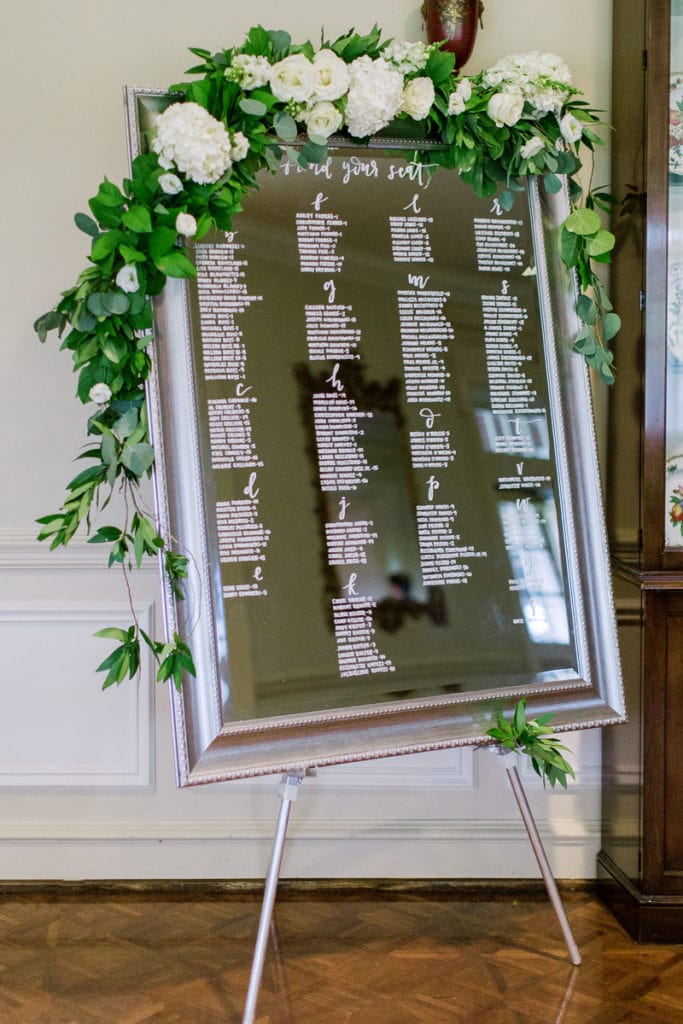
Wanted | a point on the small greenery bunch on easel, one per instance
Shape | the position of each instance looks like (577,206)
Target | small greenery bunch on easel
(535,738)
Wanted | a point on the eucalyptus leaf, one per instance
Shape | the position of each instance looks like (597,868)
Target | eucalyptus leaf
(253,107)
(285,127)
(47,322)
(611,325)
(583,222)
(116,303)
(586,309)
(602,242)
(87,224)
(127,424)
(570,247)
(137,458)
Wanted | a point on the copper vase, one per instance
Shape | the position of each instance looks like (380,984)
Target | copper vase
(454,23)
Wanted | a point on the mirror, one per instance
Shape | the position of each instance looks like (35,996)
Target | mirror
(376,445)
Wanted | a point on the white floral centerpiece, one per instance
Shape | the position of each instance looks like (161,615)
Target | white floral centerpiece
(248,105)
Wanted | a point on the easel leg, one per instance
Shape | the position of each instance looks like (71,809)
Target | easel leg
(543,863)
(288,794)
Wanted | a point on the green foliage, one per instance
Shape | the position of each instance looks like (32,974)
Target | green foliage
(105,319)
(533,737)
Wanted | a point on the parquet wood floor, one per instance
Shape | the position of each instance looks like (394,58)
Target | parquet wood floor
(387,958)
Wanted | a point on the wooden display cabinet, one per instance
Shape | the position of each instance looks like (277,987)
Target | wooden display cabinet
(640,866)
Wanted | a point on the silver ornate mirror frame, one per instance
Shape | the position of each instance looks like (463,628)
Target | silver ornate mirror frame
(210,747)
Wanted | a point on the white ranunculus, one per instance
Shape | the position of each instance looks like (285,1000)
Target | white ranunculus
(127,278)
(323,119)
(240,146)
(251,72)
(571,128)
(457,101)
(100,393)
(418,96)
(505,108)
(293,78)
(532,147)
(170,184)
(374,98)
(331,76)
(186,225)
(190,139)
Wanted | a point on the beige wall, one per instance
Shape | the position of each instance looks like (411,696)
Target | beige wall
(90,775)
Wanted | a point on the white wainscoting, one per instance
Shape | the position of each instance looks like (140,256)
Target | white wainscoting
(87,783)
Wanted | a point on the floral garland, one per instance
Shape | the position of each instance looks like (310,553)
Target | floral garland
(249,105)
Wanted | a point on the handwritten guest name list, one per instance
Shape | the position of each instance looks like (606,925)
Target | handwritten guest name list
(334,326)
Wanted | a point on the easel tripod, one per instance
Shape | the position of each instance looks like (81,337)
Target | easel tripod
(288,790)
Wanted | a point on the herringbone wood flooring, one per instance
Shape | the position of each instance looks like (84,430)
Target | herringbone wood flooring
(392,958)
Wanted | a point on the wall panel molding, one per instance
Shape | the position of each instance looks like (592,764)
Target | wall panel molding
(58,729)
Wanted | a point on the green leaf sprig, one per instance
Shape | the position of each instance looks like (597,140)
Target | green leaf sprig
(533,737)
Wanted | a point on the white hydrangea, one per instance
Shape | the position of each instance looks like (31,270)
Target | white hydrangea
(191,140)
(543,80)
(407,57)
(248,71)
(375,96)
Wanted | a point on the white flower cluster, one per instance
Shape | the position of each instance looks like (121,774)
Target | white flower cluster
(195,143)
(248,71)
(407,57)
(542,80)
(375,96)
(374,90)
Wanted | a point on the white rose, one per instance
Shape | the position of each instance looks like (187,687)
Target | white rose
(505,108)
(186,225)
(127,278)
(240,146)
(331,76)
(571,128)
(323,119)
(100,393)
(293,78)
(170,184)
(531,148)
(418,96)
(375,96)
